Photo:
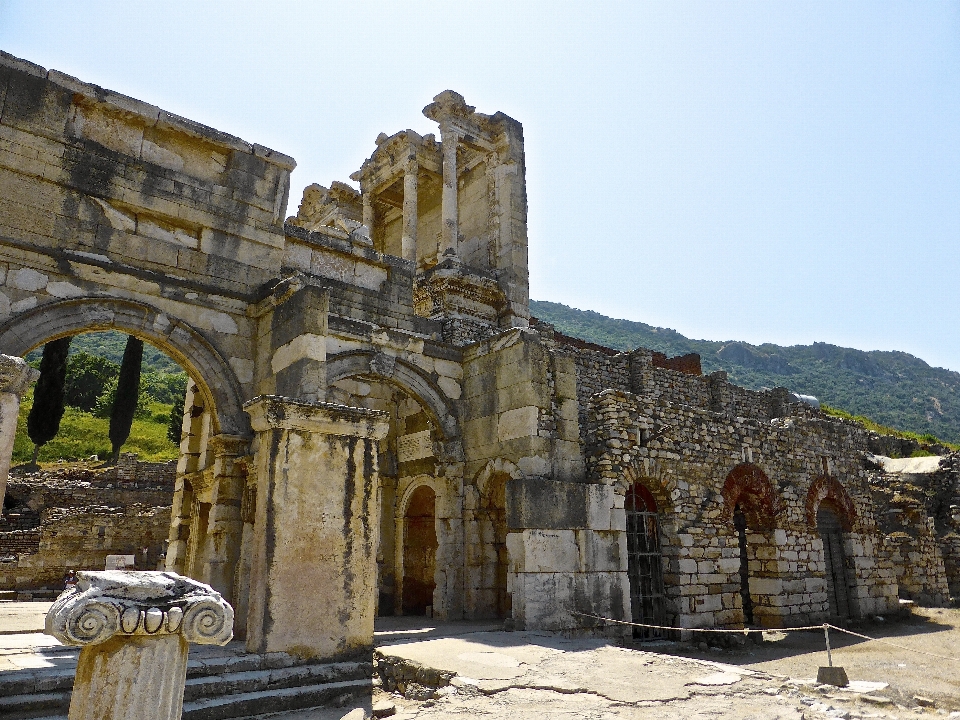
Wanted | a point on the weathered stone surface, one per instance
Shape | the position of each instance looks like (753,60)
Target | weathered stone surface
(372,425)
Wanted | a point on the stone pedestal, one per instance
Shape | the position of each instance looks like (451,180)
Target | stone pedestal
(134,628)
(313,578)
(15,377)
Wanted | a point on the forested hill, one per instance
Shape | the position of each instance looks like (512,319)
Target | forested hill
(892,388)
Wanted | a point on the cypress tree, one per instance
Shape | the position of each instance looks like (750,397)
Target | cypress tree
(43,422)
(128,389)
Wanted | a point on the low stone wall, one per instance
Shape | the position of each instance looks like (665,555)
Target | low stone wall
(71,518)
(81,539)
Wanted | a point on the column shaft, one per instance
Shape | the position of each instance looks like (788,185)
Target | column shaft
(137,678)
(408,240)
(450,234)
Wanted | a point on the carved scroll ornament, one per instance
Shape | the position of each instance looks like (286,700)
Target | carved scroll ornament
(118,603)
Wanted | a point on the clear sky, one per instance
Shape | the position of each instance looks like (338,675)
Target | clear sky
(763,171)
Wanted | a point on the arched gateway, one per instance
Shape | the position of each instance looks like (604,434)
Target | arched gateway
(372,410)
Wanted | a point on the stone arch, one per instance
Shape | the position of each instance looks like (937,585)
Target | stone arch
(403,374)
(30,329)
(418,482)
(402,534)
(750,488)
(826,487)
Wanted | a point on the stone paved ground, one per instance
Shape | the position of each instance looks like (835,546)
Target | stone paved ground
(541,676)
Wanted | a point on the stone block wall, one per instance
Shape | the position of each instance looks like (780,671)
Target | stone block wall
(690,458)
(78,516)
(80,539)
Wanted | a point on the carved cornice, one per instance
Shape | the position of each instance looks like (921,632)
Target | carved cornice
(451,290)
(114,603)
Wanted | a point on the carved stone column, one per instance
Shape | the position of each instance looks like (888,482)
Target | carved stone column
(368,217)
(313,579)
(15,377)
(134,628)
(450,231)
(408,240)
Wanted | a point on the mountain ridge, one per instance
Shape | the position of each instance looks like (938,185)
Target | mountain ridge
(891,387)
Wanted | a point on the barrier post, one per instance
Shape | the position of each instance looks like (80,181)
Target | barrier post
(831,675)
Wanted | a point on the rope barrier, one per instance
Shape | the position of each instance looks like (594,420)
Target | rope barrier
(746,631)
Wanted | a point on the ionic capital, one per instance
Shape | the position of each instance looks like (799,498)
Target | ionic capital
(141,603)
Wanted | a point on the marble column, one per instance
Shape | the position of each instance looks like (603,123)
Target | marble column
(225,525)
(450,230)
(368,216)
(408,240)
(134,629)
(15,377)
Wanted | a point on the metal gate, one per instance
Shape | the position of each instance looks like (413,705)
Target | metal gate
(838,591)
(644,563)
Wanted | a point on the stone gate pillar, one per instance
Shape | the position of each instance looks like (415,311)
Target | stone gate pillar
(15,377)
(313,578)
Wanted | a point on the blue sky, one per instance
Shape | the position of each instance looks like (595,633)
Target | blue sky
(760,171)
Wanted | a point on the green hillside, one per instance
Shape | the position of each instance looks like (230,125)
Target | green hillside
(892,388)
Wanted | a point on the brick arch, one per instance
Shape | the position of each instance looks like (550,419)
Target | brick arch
(206,367)
(826,487)
(748,486)
(660,487)
(402,374)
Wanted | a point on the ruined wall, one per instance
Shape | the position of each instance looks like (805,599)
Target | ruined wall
(71,519)
(919,500)
(688,458)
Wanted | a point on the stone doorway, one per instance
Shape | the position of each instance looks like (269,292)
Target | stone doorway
(419,553)
(644,562)
(835,562)
(740,523)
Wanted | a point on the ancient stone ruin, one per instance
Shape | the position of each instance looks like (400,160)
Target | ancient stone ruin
(375,425)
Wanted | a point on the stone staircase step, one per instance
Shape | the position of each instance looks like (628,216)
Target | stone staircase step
(219,687)
(231,683)
(293,698)
(33,705)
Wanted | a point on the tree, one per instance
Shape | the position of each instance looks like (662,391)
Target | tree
(175,428)
(87,378)
(43,422)
(128,392)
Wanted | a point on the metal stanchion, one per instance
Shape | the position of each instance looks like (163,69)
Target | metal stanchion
(831,675)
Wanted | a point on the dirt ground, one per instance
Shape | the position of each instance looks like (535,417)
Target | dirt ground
(929,630)
(546,676)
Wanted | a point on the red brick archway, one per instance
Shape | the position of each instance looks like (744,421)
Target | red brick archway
(750,488)
(829,488)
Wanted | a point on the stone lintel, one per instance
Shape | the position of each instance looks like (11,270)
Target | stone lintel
(269,412)
(115,603)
